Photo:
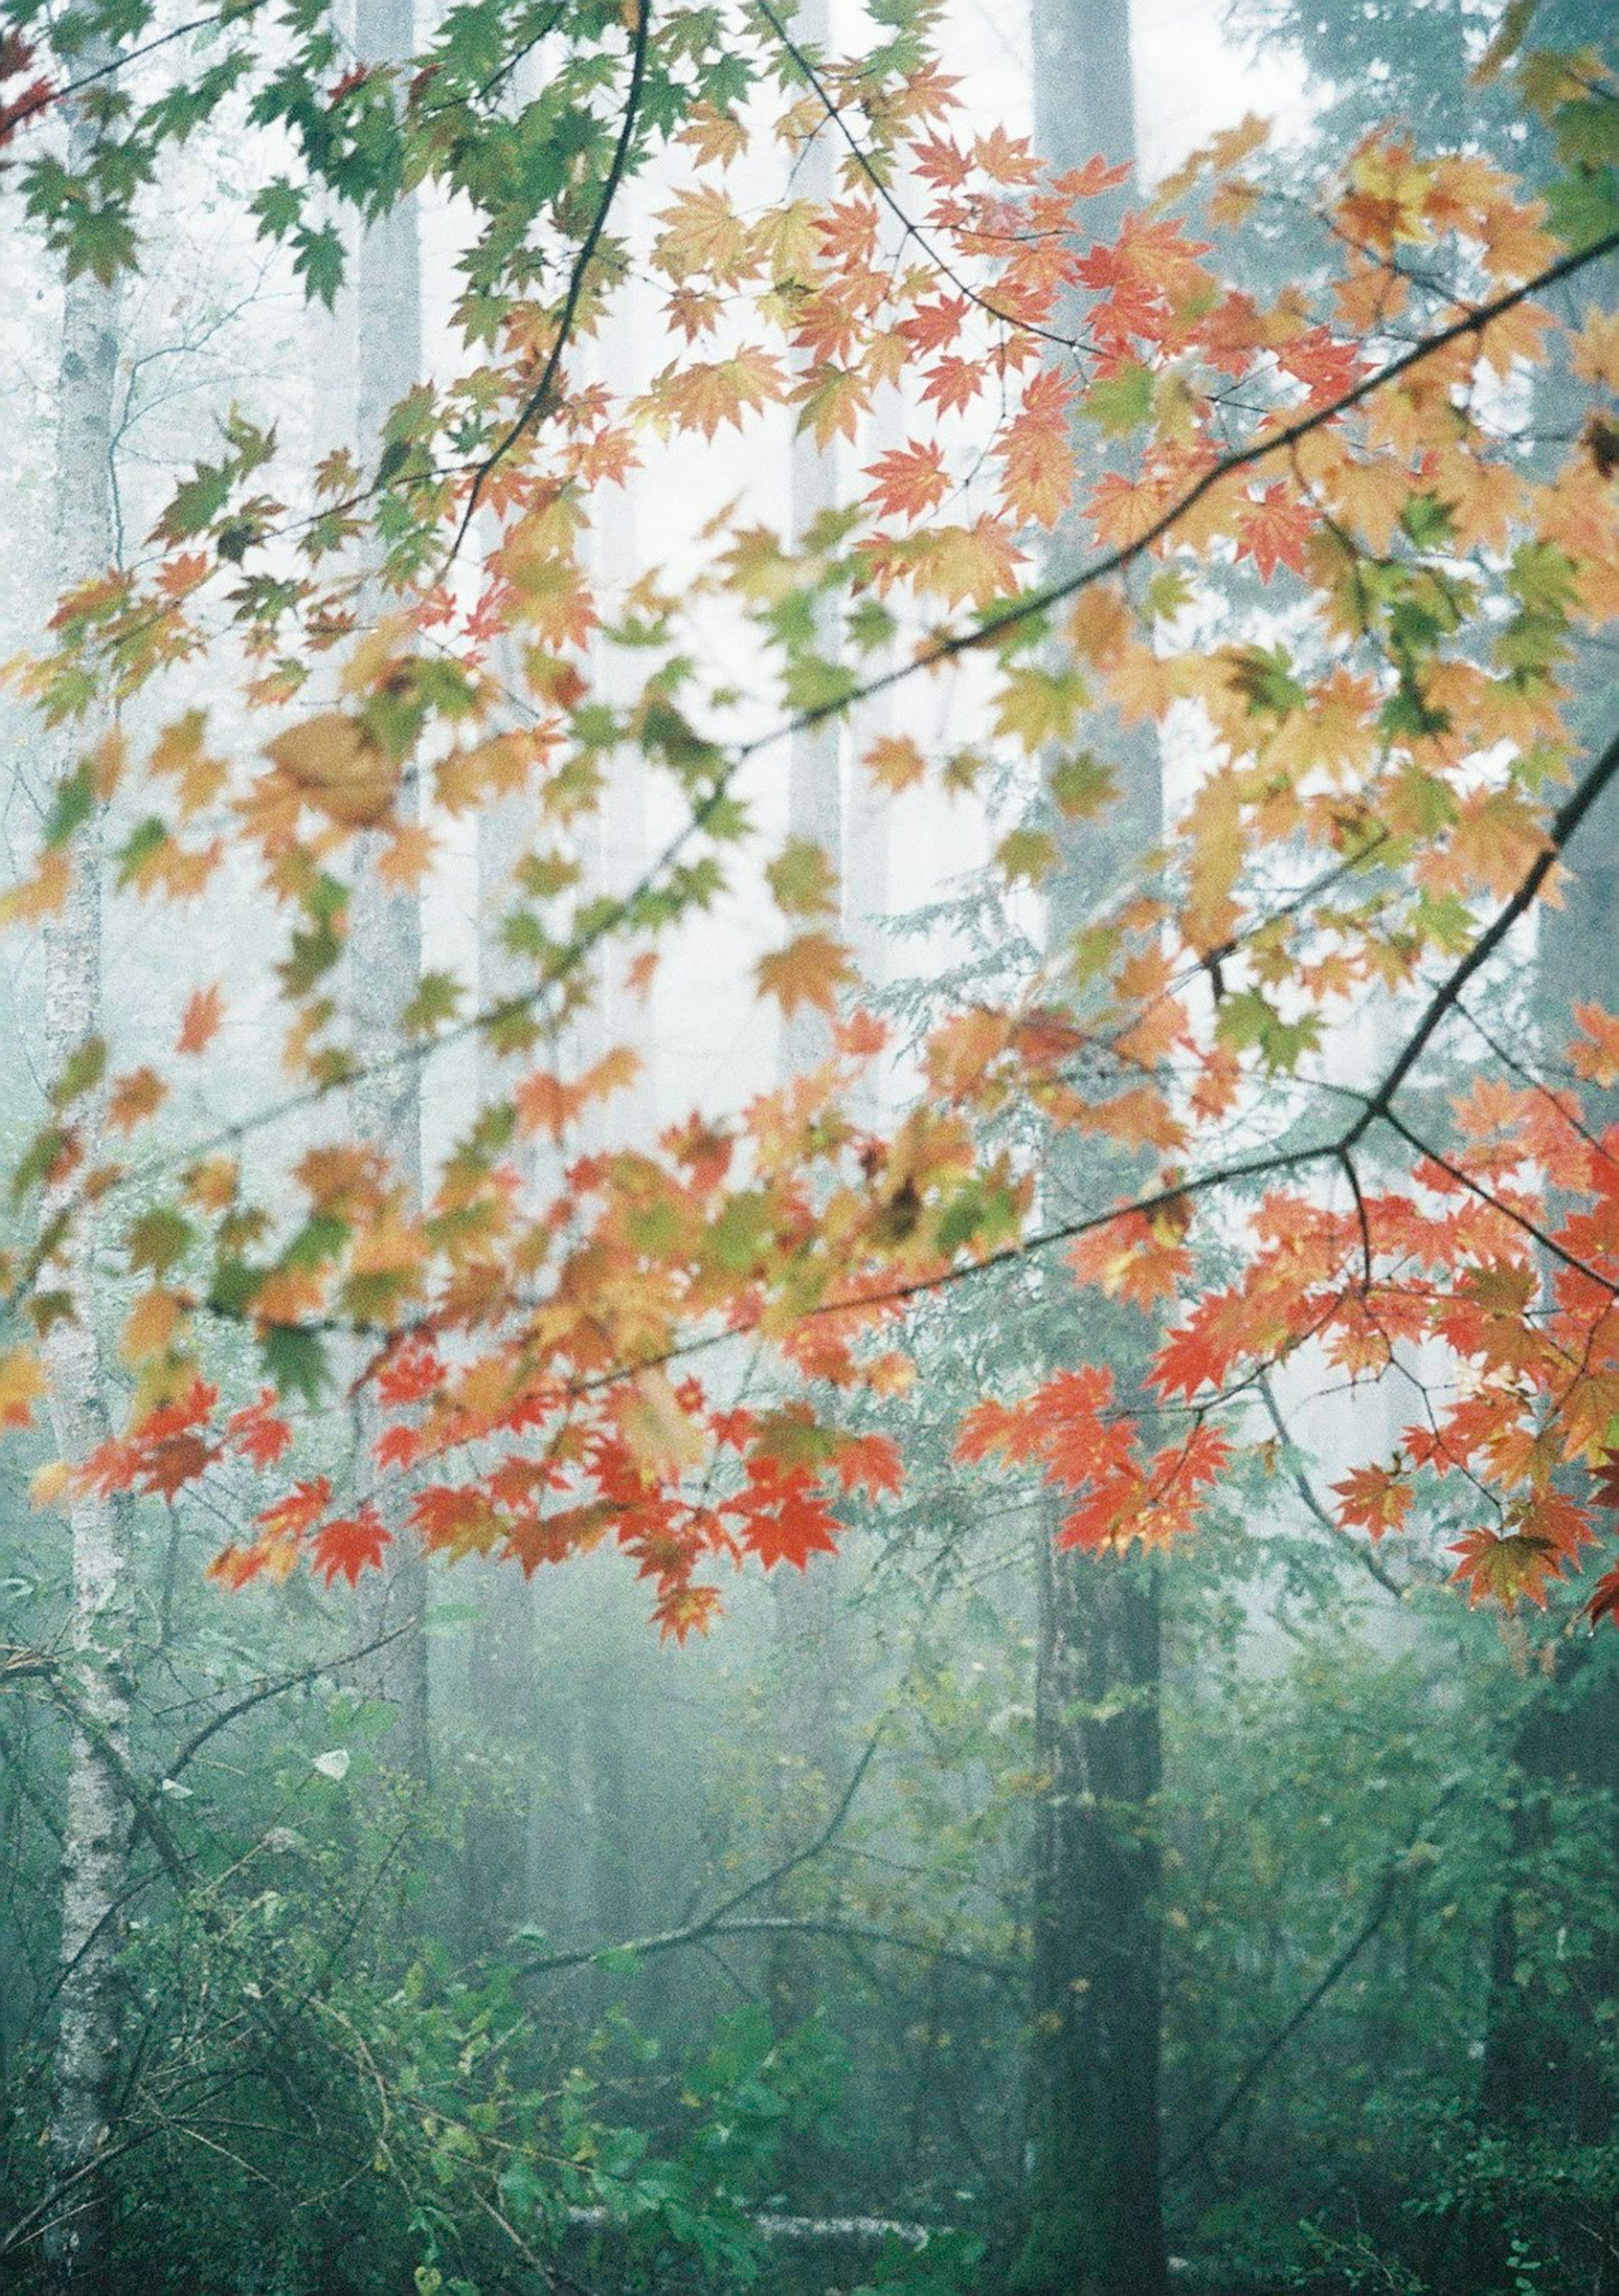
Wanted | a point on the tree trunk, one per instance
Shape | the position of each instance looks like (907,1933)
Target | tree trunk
(1092,2216)
(503,1673)
(385,927)
(804,1604)
(97,1828)
(1092,2221)
(1536,2056)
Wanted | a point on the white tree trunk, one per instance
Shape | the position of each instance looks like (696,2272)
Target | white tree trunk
(385,927)
(805,1603)
(97,1827)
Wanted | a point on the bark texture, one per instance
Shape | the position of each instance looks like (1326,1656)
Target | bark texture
(1092,2224)
(804,1604)
(384,926)
(97,1823)
(1540,2059)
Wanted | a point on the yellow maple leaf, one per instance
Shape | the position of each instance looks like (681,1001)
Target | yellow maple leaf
(895,762)
(51,1485)
(339,767)
(408,856)
(22,1385)
(152,1324)
(704,233)
(43,893)
(662,1438)
(702,394)
(1596,348)
(179,755)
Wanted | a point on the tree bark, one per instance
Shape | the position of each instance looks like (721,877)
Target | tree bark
(1092,2223)
(804,1604)
(97,1827)
(1092,2218)
(384,926)
(1545,2058)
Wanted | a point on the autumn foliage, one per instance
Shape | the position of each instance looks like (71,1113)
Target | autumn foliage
(1134,486)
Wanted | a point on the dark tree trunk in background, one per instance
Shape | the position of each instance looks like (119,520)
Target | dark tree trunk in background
(609,1653)
(1545,2054)
(1092,2221)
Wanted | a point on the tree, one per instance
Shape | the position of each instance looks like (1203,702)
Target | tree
(643,1352)
(1095,2219)
(98,1817)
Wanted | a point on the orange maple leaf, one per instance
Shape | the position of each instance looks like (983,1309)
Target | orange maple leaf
(204,1012)
(808,971)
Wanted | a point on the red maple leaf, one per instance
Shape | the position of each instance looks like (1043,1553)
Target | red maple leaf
(910,482)
(1603,1602)
(1607,1490)
(782,1517)
(869,1463)
(1273,532)
(302,1505)
(411,1374)
(167,1467)
(258,1431)
(349,1544)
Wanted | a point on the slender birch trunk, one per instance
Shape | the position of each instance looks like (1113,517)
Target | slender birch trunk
(804,1604)
(384,926)
(504,1674)
(97,1827)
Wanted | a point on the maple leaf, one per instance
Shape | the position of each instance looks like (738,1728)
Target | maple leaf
(258,1431)
(153,1324)
(22,1385)
(1077,1443)
(703,394)
(163,1468)
(339,767)
(131,1099)
(412,1372)
(704,233)
(686,1610)
(1141,1256)
(869,1463)
(979,562)
(1374,1499)
(991,1429)
(1606,1489)
(454,1519)
(784,1517)
(349,1544)
(1594,1053)
(952,383)
(1273,531)
(803,879)
(299,1509)
(533,1538)
(909,481)
(660,1433)
(895,762)
(1515,1568)
(808,971)
(1603,1602)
